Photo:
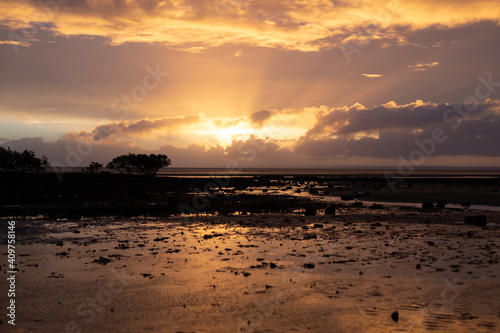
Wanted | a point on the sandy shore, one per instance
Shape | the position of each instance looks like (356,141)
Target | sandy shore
(260,273)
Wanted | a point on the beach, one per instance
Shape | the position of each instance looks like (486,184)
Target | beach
(391,269)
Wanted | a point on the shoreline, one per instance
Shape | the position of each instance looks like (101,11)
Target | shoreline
(264,272)
(103,195)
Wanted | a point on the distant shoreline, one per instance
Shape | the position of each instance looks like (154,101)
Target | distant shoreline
(347,172)
(76,195)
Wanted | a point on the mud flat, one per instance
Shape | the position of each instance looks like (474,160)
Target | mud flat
(394,269)
(81,196)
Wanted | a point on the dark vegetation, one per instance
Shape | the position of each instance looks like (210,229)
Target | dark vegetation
(124,196)
(140,163)
(26,161)
(93,168)
(13,161)
(106,195)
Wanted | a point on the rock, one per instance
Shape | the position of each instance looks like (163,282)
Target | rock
(310,236)
(441,204)
(309,265)
(465,204)
(310,211)
(479,220)
(102,261)
(212,236)
(318,226)
(347,197)
(313,191)
(357,204)
(395,316)
(427,205)
(330,210)
(376,206)
(298,190)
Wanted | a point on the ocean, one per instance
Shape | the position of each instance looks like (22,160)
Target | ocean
(360,172)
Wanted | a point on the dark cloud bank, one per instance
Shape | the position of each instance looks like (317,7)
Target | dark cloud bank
(387,132)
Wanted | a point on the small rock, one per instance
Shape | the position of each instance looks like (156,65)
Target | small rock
(310,211)
(395,316)
(102,261)
(479,220)
(427,205)
(330,210)
(441,204)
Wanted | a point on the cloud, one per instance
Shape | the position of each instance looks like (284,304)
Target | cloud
(372,76)
(421,66)
(475,137)
(349,135)
(71,151)
(193,25)
(390,116)
(258,118)
(138,127)
(389,130)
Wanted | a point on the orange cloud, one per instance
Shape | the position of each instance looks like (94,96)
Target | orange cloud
(195,25)
(422,66)
(372,76)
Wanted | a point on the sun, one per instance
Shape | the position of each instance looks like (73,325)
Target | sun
(225,136)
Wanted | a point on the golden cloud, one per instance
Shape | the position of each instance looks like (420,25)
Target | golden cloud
(372,76)
(422,66)
(194,25)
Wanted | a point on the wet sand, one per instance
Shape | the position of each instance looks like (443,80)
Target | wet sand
(260,273)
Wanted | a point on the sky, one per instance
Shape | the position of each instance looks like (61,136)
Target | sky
(253,83)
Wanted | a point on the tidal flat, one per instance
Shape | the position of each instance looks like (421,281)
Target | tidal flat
(265,254)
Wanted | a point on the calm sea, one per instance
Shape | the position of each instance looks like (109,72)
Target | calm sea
(371,172)
(245,172)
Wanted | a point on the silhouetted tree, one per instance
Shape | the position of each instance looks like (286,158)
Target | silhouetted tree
(26,161)
(93,167)
(141,163)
